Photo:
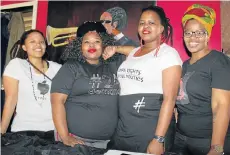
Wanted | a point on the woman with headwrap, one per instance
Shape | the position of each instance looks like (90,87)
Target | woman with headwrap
(203,103)
(85,90)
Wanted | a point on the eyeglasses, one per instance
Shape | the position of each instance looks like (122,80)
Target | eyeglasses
(105,21)
(198,34)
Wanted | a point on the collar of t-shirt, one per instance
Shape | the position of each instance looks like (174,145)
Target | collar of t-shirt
(119,36)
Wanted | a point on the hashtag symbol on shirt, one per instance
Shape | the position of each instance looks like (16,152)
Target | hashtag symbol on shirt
(139,104)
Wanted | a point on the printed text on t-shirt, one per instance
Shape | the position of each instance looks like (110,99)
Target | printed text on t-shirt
(133,74)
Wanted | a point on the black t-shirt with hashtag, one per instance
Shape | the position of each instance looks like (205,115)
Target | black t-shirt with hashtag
(91,106)
(195,95)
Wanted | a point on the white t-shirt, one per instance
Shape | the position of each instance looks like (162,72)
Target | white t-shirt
(32,114)
(143,74)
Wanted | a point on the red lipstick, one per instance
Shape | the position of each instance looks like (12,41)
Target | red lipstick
(92,50)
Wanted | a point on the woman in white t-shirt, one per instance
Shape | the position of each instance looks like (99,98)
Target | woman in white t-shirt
(149,80)
(27,80)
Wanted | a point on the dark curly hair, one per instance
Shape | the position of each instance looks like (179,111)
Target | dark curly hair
(17,50)
(73,49)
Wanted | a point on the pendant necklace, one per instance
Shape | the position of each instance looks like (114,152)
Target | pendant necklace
(43,87)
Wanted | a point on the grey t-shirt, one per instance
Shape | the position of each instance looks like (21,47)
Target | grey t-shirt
(194,99)
(91,106)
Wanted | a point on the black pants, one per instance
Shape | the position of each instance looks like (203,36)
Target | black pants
(184,145)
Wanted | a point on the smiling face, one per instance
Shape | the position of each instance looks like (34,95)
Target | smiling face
(150,27)
(198,41)
(34,45)
(92,47)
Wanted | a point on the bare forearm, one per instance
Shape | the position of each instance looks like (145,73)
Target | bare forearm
(8,111)
(165,118)
(124,49)
(59,118)
(221,118)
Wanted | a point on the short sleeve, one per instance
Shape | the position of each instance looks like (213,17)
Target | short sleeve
(170,58)
(220,73)
(55,66)
(13,69)
(63,80)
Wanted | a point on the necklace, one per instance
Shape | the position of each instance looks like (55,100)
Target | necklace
(41,86)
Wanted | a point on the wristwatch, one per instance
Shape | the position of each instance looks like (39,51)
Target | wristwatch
(160,139)
(218,148)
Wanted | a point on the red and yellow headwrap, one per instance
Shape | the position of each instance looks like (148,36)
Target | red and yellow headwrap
(204,14)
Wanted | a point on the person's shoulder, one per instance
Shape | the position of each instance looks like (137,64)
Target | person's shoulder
(168,52)
(219,54)
(17,60)
(220,58)
(15,68)
(73,65)
(166,49)
(55,64)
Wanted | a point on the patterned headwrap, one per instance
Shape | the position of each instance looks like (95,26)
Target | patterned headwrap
(204,14)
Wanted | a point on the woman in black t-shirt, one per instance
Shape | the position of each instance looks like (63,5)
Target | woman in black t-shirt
(85,90)
(203,103)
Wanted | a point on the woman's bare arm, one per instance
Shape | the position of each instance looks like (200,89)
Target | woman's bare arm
(11,97)
(59,117)
(221,115)
(171,81)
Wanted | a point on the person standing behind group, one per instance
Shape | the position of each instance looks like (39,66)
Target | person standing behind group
(149,80)
(27,81)
(203,103)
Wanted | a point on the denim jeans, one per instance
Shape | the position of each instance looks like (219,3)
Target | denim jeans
(184,145)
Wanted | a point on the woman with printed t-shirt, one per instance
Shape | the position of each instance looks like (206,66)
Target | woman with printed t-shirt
(149,80)
(85,90)
(27,82)
(204,99)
